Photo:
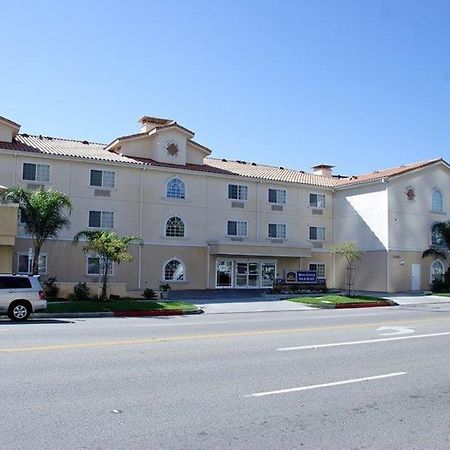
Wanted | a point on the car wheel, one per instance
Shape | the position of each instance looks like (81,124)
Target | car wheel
(19,311)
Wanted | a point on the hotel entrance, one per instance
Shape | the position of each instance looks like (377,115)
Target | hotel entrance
(245,273)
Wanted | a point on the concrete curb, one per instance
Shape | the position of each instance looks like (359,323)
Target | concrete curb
(86,315)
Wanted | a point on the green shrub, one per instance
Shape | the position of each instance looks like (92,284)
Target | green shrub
(164,287)
(51,291)
(81,291)
(149,294)
(72,297)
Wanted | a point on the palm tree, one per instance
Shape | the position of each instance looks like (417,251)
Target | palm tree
(44,214)
(441,237)
(109,247)
(351,253)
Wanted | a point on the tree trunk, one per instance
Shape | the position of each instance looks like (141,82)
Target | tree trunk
(104,281)
(36,254)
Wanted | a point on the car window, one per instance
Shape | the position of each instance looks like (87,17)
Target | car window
(14,283)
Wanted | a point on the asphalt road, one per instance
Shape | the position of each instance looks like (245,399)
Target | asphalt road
(348,379)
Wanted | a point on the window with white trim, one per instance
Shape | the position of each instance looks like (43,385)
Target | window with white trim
(437,271)
(319,268)
(317,200)
(175,188)
(317,233)
(237,192)
(277,196)
(24,263)
(103,178)
(436,201)
(174,227)
(95,266)
(237,228)
(276,231)
(174,270)
(36,172)
(101,219)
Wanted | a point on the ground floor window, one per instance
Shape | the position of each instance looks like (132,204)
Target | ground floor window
(437,271)
(95,266)
(319,268)
(25,263)
(244,273)
(174,270)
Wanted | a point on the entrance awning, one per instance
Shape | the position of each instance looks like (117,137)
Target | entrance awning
(246,248)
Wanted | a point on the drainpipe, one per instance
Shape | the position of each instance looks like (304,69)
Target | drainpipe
(257,210)
(141,200)
(15,168)
(388,260)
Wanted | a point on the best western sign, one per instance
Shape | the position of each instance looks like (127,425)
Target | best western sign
(301,276)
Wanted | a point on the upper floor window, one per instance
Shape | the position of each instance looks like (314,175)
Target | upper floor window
(317,233)
(176,188)
(237,228)
(277,196)
(101,219)
(103,178)
(36,172)
(175,227)
(436,237)
(317,200)
(277,230)
(436,201)
(319,268)
(24,263)
(237,192)
(173,270)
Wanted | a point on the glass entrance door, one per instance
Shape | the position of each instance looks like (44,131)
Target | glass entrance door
(244,274)
(241,274)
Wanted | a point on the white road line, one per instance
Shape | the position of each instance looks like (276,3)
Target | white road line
(369,341)
(316,386)
(176,324)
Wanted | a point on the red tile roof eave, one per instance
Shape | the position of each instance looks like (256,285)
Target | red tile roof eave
(10,122)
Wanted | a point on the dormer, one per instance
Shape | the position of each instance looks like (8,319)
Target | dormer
(8,130)
(163,141)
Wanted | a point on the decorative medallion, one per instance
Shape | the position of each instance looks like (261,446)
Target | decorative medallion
(410,194)
(172,149)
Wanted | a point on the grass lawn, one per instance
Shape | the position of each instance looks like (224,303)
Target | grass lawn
(124,304)
(335,299)
(443,294)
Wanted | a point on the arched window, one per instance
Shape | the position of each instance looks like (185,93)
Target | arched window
(175,188)
(436,238)
(437,271)
(175,227)
(436,201)
(174,270)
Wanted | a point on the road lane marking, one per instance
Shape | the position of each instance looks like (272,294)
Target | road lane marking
(317,386)
(368,341)
(153,340)
(395,330)
(146,325)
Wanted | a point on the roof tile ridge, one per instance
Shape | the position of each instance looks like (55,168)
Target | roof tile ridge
(25,135)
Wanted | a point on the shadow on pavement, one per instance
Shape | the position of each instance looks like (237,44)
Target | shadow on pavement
(34,322)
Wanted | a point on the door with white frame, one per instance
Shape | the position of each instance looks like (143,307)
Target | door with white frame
(244,273)
(415,277)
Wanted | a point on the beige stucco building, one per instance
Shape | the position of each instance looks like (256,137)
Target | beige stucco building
(211,223)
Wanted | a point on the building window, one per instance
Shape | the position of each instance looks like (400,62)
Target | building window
(319,268)
(277,196)
(277,231)
(95,266)
(437,271)
(237,192)
(175,188)
(103,178)
(174,271)
(317,233)
(436,201)
(24,263)
(317,200)
(237,228)
(175,227)
(101,219)
(36,172)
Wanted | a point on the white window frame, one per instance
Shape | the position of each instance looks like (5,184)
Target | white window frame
(167,185)
(99,274)
(317,206)
(437,211)
(317,264)
(278,191)
(102,186)
(277,228)
(163,274)
(241,188)
(42,255)
(317,228)
(36,180)
(431,235)
(101,219)
(237,228)
(431,268)
(165,227)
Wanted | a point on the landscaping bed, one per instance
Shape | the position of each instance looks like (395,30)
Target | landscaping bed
(343,301)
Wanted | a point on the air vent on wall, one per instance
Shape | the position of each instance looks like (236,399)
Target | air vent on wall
(276,241)
(237,204)
(239,239)
(102,193)
(317,212)
(34,186)
(317,245)
(277,208)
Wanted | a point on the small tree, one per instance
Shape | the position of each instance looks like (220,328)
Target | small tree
(44,214)
(109,247)
(352,253)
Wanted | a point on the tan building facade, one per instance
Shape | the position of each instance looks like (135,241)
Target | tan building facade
(210,223)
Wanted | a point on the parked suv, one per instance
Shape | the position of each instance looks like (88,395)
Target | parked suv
(21,295)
